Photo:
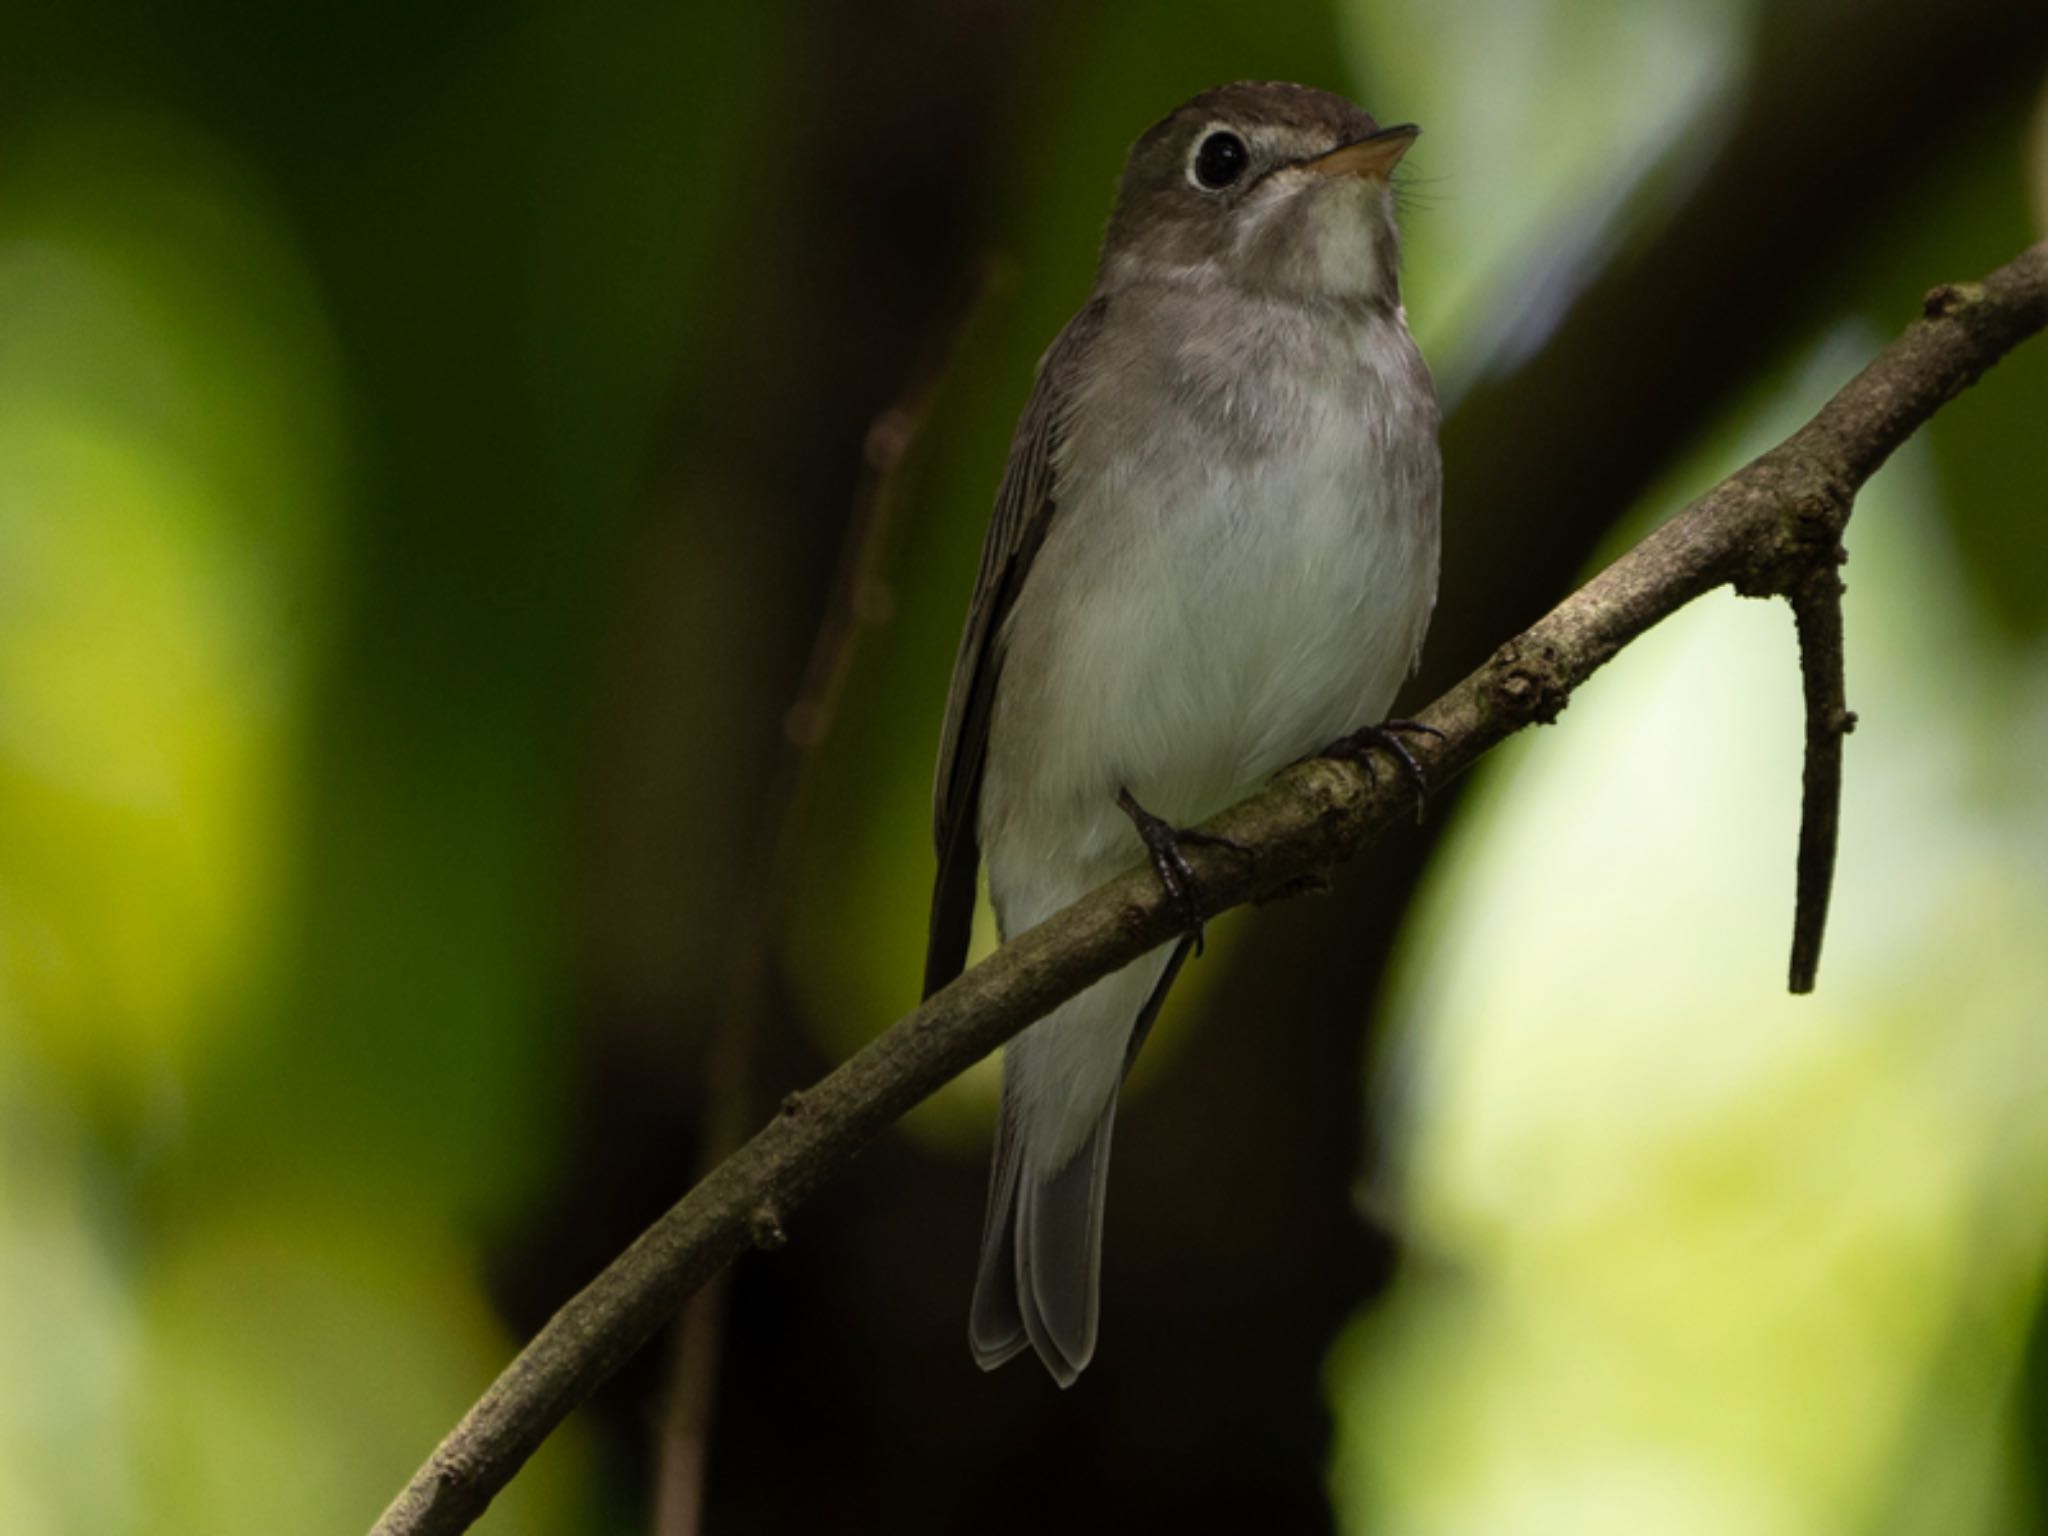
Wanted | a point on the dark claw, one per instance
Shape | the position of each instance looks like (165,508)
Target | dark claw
(1176,876)
(1359,745)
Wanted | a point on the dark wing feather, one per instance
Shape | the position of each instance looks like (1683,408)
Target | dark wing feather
(1024,511)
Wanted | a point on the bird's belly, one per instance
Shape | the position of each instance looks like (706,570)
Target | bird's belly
(1246,617)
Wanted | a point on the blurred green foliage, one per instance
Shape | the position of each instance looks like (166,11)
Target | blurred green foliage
(177,1270)
(1693,1254)
(412,494)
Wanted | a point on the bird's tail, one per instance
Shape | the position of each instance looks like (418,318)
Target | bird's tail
(1041,1245)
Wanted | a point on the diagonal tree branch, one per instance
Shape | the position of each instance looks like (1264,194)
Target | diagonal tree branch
(1771,529)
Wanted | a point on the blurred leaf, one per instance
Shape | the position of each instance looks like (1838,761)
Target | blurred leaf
(166,465)
(1544,125)
(69,1337)
(299,1367)
(510,259)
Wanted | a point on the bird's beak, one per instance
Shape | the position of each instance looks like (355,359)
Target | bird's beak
(1372,156)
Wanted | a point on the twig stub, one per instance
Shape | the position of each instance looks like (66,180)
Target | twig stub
(1817,614)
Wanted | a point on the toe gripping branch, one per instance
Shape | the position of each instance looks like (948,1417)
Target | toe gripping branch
(1385,737)
(1176,876)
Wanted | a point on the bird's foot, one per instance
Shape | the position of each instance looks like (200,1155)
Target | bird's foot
(1386,737)
(1163,842)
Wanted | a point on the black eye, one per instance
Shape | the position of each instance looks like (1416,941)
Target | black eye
(1221,160)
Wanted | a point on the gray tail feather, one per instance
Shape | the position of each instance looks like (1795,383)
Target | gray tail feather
(995,1323)
(1041,1260)
(1040,1279)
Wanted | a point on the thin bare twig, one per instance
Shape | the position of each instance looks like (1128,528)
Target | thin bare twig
(856,602)
(1760,530)
(1817,611)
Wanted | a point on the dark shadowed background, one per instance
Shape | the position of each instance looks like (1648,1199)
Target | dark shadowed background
(426,441)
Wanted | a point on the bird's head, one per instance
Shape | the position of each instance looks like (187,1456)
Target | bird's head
(1269,187)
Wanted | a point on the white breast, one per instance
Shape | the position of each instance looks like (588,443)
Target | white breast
(1239,570)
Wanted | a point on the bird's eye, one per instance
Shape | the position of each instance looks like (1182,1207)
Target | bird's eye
(1220,160)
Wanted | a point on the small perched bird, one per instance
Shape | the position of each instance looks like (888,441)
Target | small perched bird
(1213,553)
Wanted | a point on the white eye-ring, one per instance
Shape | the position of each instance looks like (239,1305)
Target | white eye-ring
(1219,159)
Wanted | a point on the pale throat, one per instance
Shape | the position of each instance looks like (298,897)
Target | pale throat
(1340,239)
